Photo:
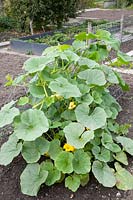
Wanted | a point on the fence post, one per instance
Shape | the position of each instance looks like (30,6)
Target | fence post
(89,30)
(121,27)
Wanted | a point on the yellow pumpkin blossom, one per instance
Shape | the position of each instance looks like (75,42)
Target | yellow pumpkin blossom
(46,154)
(87,129)
(72,105)
(57,96)
(68,147)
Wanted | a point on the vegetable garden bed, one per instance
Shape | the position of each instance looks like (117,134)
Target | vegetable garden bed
(9,176)
(31,44)
(36,44)
(71,126)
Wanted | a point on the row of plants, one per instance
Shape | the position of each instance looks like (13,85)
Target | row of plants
(60,36)
(65,34)
(65,126)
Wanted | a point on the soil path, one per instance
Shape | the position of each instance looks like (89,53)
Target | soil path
(106,14)
(9,176)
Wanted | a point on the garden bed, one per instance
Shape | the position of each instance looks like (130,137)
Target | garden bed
(36,44)
(9,176)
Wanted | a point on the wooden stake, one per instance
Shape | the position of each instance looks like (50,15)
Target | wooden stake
(121,27)
(89,30)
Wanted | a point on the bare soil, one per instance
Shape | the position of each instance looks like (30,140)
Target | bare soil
(9,176)
(106,14)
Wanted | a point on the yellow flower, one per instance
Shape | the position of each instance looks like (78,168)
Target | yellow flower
(68,147)
(46,154)
(57,96)
(87,129)
(71,105)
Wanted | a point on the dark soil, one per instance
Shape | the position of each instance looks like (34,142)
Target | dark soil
(106,14)
(9,176)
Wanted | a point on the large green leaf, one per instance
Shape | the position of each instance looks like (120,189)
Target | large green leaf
(83,61)
(97,97)
(81,162)
(77,136)
(36,91)
(53,174)
(36,64)
(54,148)
(84,179)
(30,152)
(81,36)
(124,178)
(93,77)
(79,45)
(63,162)
(121,157)
(103,35)
(62,87)
(95,120)
(10,150)
(42,145)
(103,173)
(127,143)
(72,182)
(101,154)
(73,57)
(110,74)
(7,114)
(124,58)
(68,115)
(33,150)
(32,178)
(32,125)
(108,143)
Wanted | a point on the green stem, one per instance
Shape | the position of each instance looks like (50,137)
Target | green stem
(46,94)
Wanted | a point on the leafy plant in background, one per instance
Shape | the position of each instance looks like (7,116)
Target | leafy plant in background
(31,14)
(6,23)
(69,128)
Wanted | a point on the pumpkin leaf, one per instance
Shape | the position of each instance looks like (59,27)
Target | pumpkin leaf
(77,136)
(103,173)
(8,113)
(124,178)
(32,125)
(32,178)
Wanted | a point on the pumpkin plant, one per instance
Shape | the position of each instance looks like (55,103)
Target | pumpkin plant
(65,126)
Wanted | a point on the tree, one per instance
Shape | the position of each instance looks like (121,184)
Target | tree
(36,11)
(56,12)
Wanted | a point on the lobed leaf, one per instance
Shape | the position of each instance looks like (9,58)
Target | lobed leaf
(32,178)
(33,124)
(127,143)
(62,87)
(77,136)
(93,77)
(103,173)
(10,150)
(81,162)
(8,113)
(63,162)
(124,178)
(72,182)
(95,120)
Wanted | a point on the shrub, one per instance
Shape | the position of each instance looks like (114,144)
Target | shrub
(70,122)
(40,12)
(6,23)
